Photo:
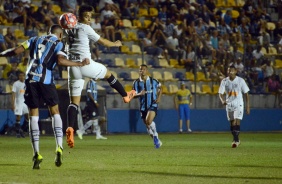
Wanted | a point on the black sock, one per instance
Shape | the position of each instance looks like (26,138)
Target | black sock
(114,83)
(237,132)
(232,129)
(72,114)
(17,127)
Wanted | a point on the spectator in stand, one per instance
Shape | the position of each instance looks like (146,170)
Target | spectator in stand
(156,25)
(227,17)
(205,15)
(258,55)
(277,33)
(69,6)
(128,8)
(190,16)
(200,28)
(150,46)
(268,70)
(10,39)
(19,14)
(188,58)
(173,45)
(249,8)
(236,53)
(3,45)
(273,84)
(163,14)
(169,27)
(23,64)
(264,37)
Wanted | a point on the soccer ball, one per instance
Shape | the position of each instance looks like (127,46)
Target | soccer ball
(68,20)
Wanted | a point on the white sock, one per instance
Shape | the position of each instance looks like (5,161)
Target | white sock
(87,125)
(57,125)
(97,128)
(34,133)
(153,128)
(150,132)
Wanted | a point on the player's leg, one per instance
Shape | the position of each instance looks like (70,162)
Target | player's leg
(26,118)
(51,98)
(238,116)
(152,125)
(230,117)
(57,126)
(75,89)
(143,117)
(32,96)
(187,117)
(181,115)
(98,71)
(89,110)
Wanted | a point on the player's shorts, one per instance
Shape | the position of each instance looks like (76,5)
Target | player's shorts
(91,110)
(76,76)
(144,113)
(37,90)
(237,112)
(21,109)
(184,111)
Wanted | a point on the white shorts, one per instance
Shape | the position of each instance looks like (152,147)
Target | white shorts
(21,109)
(235,113)
(76,76)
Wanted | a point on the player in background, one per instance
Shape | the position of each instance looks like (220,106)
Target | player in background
(78,41)
(91,110)
(45,52)
(18,105)
(233,87)
(182,101)
(149,92)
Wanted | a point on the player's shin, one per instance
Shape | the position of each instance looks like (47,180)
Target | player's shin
(34,133)
(154,129)
(58,130)
(72,114)
(114,83)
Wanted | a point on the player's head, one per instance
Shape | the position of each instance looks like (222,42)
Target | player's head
(21,76)
(85,13)
(143,70)
(182,85)
(232,71)
(57,30)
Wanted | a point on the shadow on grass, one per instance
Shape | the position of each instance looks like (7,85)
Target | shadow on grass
(206,176)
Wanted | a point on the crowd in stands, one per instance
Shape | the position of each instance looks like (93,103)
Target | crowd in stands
(202,35)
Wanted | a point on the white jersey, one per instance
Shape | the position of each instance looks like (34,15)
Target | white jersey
(233,90)
(82,34)
(19,89)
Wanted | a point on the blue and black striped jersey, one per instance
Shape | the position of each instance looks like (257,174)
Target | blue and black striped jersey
(43,57)
(151,87)
(91,87)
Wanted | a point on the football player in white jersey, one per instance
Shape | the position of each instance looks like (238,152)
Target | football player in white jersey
(18,105)
(233,87)
(78,41)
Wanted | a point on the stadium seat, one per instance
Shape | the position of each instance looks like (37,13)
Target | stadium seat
(206,89)
(8,88)
(134,75)
(20,34)
(65,74)
(3,61)
(125,49)
(147,23)
(119,62)
(180,76)
(114,73)
(132,36)
(263,50)
(163,63)
(189,76)
(215,89)
(137,24)
(124,75)
(201,77)
(164,89)
(272,50)
(128,87)
(136,49)
(131,63)
(173,88)
(56,9)
(235,13)
(197,89)
(123,36)
(157,75)
(153,12)
(143,12)
(140,62)
(270,26)
(127,23)
(278,64)
(168,76)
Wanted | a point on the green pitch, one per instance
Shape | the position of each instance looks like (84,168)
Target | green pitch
(183,158)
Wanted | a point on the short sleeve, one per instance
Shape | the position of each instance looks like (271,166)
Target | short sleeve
(26,44)
(59,50)
(221,89)
(92,35)
(245,88)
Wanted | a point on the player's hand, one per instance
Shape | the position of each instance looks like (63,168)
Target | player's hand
(157,101)
(118,43)
(86,61)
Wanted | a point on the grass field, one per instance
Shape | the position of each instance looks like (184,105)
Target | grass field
(183,158)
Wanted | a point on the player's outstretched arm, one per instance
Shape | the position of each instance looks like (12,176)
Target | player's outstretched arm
(247,103)
(65,62)
(108,43)
(12,51)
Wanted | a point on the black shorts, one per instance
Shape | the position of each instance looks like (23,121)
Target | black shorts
(144,113)
(37,90)
(91,110)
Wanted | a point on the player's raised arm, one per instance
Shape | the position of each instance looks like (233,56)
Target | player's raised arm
(109,43)
(12,52)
